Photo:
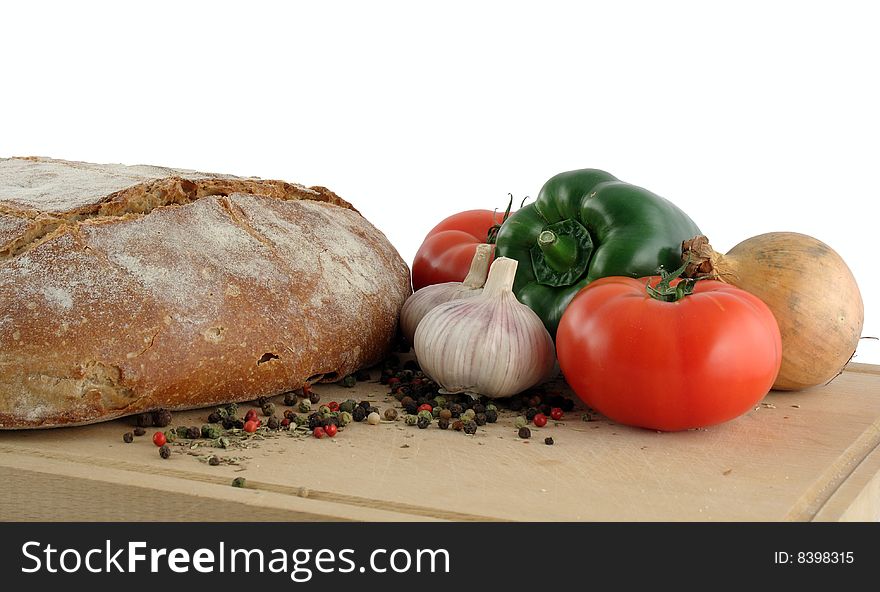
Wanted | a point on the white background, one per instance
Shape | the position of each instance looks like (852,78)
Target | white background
(754,117)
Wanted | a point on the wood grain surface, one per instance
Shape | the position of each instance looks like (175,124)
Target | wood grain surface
(811,455)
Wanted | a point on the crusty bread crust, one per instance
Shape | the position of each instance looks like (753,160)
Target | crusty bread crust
(179,289)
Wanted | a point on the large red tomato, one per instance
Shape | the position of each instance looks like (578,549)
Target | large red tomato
(668,365)
(447,251)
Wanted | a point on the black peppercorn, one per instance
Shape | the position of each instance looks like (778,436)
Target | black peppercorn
(423,422)
(193,432)
(144,420)
(531,412)
(491,416)
(548,441)
(315,421)
(314,397)
(359,413)
(165,451)
(213,461)
(456,410)
(407,400)
(480,419)
(365,405)
(228,424)
(470,427)
(443,423)
(237,423)
(372,409)
(128,437)
(411,408)
(273,423)
(525,433)
(214,417)
(262,401)
(290,398)
(161,418)
(139,431)
(290,414)
(329,421)
(479,408)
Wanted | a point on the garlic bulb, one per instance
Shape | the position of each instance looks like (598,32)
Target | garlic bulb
(489,345)
(424,300)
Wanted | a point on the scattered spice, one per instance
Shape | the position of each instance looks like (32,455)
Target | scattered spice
(548,441)
(442,423)
(349,381)
(128,437)
(305,406)
(193,433)
(458,425)
(470,427)
(318,432)
(520,422)
(373,418)
(540,420)
(239,482)
(165,451)
(161,418)
(250,426)
(313,397)
(268,409)
(556,413)
(423,422)
(290,398)
(139,431)
(391,414)
(359,414)
(159,439)
(525,433)
(274,424)
(331,430)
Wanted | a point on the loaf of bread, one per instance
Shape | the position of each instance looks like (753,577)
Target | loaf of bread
(124,289)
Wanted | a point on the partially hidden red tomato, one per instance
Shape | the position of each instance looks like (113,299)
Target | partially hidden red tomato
(698,361)
(448,249)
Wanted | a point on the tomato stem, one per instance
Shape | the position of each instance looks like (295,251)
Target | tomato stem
(493,230)
(664,292)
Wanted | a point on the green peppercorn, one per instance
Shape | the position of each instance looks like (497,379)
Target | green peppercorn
(232,409)
(210,431)
(304,406)
(349,381)
(469,414)
(323,409)
(441,401)
(300,420)
(391,414)
(423,422)
(348,405)
(411,420)
(269,409)
(181,431)
(239,482)
(443,423)
(525,433)
(171,435)
(344,418)
(491,407)
(165,451)
(427,415)
(214,460)
(520,422)
(470,427)
(128,437)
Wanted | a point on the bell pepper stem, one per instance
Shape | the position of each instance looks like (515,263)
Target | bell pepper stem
(560,252)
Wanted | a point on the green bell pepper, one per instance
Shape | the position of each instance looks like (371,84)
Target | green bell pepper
(585,225)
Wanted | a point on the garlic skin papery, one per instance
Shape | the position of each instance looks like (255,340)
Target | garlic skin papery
(490,345)
(424,300)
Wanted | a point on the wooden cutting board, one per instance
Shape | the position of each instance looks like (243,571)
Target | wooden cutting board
(797,456)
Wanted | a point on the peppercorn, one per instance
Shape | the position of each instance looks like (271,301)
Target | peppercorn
(273,423)
(213,417)
(128,437)
(359,414)
(324,410)
(239,482)
(556,413)
(445,414)
(373,418)
(165,451)
(315,421)
(314,397)
(331,430)
(470,427)
(443,423)
(290,398)
(250,426)
(366,405)
(411,408)
(228,424)
(262,400)
(456,410)
(144,420)
(232,409)
(344,418)
(304,406)
(139,431)
(531,412)
(251,415)
(214,460)
(391,414)
(268,409)
(479,408)
(457,425)
(159,439)
(520,422)
(548,441)
(210,431)
(426,415)
(333,406)
(193,433)
(285,423)
(525,433)
(349,381)
(411,420)
(491,407)
(423,422)
(170,435)
(373,409)
(348,405)
(468,414)
(491,416)
(540,420)
(327,421)
(480,419)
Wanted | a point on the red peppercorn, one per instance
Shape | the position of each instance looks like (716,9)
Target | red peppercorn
(330,430)
(540,420)
(393,380)
(556,413)
(159,439)
(250,426)
(285,422)
(318,432)
(425,407)
(333,406)
(250,415)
